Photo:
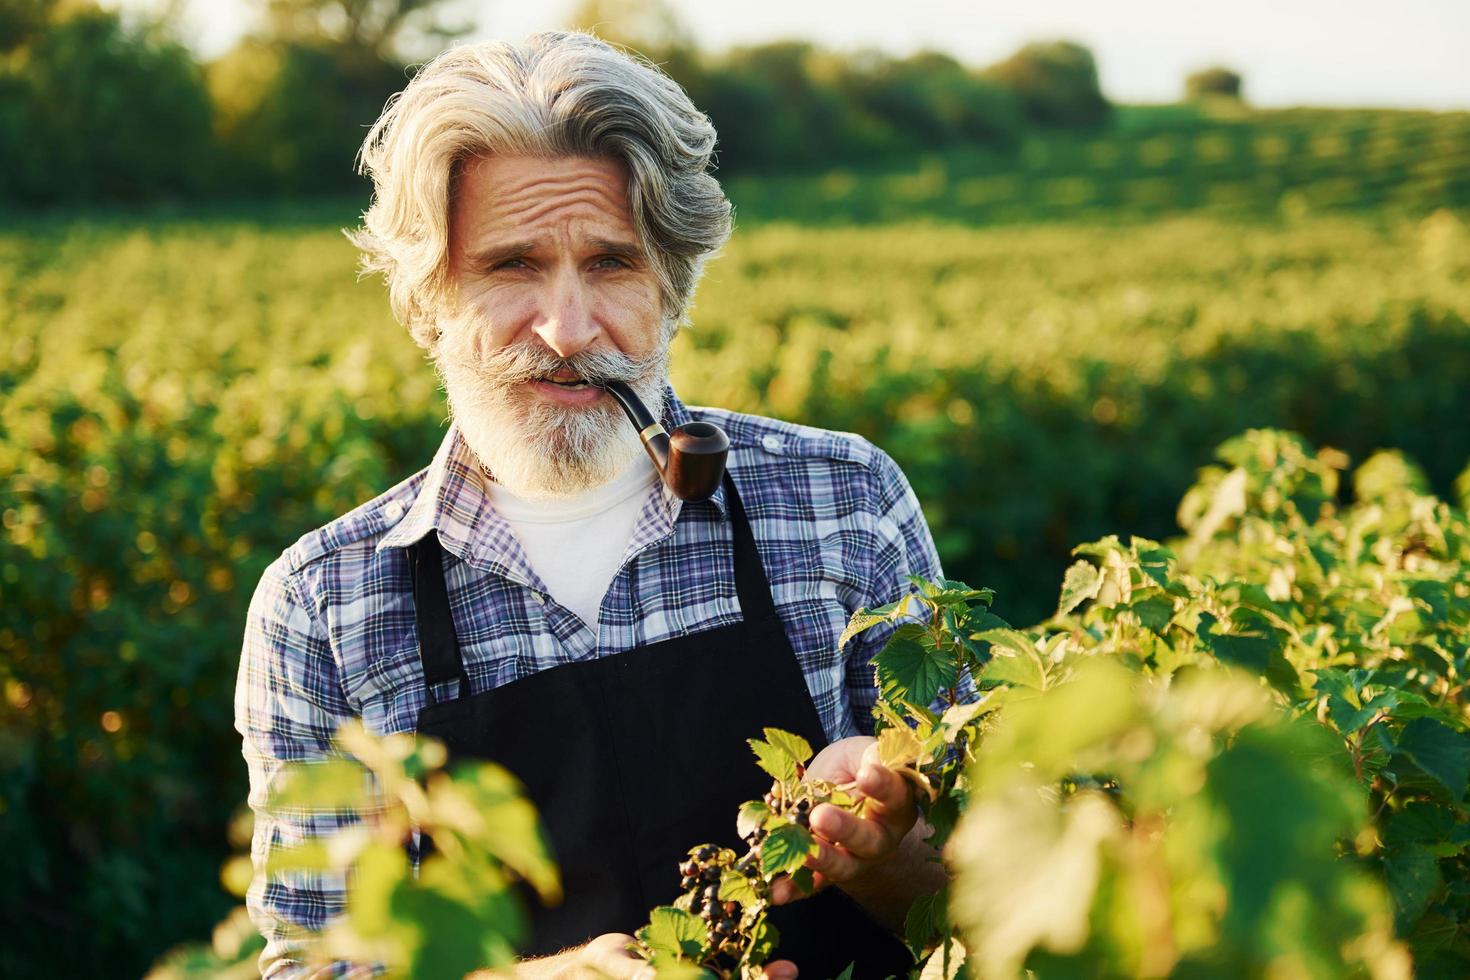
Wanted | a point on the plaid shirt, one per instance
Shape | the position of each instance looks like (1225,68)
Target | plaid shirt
(331,635)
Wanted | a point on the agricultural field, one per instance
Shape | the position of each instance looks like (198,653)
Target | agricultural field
(1157,160)
(181,396)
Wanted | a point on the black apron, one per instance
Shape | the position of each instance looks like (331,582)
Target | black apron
(633,759)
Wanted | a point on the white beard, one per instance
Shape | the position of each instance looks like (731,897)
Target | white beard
(534,448)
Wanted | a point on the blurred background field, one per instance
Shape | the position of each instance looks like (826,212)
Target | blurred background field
(1047,306)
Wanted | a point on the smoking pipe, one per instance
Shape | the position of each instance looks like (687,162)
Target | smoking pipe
(690,460)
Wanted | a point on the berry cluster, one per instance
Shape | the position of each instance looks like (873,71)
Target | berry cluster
(736,928)
(701,876)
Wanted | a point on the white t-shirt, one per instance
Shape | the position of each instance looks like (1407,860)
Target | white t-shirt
(576,544)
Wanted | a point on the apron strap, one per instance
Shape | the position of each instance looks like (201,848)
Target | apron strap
(751,585)
(438,646)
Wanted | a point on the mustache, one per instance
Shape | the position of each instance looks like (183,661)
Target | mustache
(531,362)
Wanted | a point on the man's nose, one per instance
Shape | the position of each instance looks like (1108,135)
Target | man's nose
(566,324)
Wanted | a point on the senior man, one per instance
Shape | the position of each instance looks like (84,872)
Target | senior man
(535,596)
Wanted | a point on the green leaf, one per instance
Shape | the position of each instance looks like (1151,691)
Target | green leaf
(865,619)
(959,715)
(898,747)
(752,816)
(379,870)
(846,973)
(1349,719)
(1331,681)
(947,592)
(911,672)
(779,764)
(1254,645)
(1439,751)
(735,887)
(1153,559)
(486,803)
(763,940)
(1154,612)
(1013,660)
(446,931)
(1428,824)
(1100,548)
(793,745)
(1411,705)
(329,784)
(309,855)
(666,967)
(926,917)
(804,880)
(942,815)
(1080,584)
(786,848)
(675,932)
(1413,880)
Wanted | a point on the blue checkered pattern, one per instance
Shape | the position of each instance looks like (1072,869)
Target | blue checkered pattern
(331,633)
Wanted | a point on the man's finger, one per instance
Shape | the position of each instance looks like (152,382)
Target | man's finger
(780,970)
(864,838)
(890,796)
(831,862)
(609,954)
(784,890)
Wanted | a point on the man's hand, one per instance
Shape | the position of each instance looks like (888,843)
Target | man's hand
(852,847)
(608,956)
(880,858)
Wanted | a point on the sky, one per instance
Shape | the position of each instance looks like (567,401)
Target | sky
(1405,53)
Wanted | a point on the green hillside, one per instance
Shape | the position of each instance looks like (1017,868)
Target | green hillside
(1153,160)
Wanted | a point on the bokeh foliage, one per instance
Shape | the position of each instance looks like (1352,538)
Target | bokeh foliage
(182,399)
(129,115)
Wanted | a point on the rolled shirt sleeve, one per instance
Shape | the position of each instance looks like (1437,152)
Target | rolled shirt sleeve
(288,706)
(902,546)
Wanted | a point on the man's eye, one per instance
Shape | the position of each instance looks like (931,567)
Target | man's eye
(511,264)
(612,262)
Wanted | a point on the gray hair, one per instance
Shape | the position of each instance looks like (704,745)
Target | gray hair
(554,94)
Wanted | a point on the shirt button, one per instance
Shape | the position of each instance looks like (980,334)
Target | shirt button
(771,442)
(393,510)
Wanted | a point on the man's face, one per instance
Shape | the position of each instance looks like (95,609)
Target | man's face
(553,287)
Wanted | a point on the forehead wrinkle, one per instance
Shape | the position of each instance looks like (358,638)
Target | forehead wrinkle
(514,198)
(580,205)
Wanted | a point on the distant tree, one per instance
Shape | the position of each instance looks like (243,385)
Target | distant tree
(375,27)
(1056,82)
(650,27)
(93,108)
(781,106)
(1215,82)
(294,100)
(290,116)
(21,20)
(930,100)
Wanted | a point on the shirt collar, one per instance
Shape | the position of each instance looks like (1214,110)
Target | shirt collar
(452,500)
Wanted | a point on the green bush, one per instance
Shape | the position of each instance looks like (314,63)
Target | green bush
(1212,83)
(1056,82)
(930,100)
(1242,754)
